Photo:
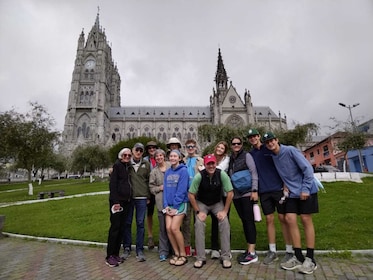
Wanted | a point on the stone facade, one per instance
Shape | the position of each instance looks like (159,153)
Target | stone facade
(95,115)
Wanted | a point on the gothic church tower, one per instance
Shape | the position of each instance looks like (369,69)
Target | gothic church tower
(95,88)
(226,105)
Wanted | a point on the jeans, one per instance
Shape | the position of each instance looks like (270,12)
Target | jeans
(140,206)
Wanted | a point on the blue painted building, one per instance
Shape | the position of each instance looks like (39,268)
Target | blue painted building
(367,157)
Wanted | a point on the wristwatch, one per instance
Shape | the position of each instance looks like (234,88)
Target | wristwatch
(254,191)
(197,212)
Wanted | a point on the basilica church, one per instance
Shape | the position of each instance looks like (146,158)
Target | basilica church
(95,114)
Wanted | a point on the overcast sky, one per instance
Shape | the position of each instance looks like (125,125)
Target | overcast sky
(298,57)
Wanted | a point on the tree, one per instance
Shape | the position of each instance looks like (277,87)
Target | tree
(216,133)
(28,139)
(352,141)
(89,158)
(114,150)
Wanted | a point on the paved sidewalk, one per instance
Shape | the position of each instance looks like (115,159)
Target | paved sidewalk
(26,259)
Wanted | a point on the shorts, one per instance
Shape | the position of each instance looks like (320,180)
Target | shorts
(150,206)
(183,209)
(308,206)
(270,203)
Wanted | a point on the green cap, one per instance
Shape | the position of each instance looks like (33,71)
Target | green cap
(252,132)
(268,136)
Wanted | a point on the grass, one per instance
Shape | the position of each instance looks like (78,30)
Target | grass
(345,221)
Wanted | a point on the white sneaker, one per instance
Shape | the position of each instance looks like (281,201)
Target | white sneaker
(308,266)
(215,254)
(291,264)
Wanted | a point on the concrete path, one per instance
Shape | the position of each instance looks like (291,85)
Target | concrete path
(27,259)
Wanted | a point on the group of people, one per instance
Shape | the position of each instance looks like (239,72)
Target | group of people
(186,188)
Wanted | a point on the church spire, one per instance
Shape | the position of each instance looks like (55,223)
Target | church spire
(221,78)
(97,22)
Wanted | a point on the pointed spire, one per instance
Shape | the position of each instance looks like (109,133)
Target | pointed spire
(221,77)
(97,22)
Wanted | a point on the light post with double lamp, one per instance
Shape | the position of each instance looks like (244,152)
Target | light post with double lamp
(349,107)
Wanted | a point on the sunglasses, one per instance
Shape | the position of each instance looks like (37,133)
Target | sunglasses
(190,147)
(236,144)
(126,155)
(139,150)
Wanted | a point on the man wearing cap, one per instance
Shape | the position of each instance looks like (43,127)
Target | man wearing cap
(139,174)
(270,189)
(150,149)
(205,196)
(297,173)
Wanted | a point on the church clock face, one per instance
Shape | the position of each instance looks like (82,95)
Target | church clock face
(90,64)
(232,99)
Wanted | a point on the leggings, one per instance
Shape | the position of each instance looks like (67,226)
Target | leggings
(244,208)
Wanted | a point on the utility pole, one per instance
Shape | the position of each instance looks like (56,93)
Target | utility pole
(350,107)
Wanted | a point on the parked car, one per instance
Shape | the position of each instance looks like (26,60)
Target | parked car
(326,168)
(74,176)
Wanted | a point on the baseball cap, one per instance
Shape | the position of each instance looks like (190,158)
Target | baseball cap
(268,136)
(139,145)
(252,132)
(209,158)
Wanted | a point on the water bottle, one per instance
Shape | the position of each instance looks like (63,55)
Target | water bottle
(257,213)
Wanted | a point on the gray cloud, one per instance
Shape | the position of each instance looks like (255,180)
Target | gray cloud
(298,57)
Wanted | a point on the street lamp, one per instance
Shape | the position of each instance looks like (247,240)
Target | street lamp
(349,107)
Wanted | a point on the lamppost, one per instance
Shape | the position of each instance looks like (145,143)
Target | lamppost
(350,107)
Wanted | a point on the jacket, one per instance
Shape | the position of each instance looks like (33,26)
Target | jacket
(156,180)
(120,184)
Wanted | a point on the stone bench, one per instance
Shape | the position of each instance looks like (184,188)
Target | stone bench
(51,194)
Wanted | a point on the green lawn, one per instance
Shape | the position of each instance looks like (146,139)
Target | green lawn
(345,221)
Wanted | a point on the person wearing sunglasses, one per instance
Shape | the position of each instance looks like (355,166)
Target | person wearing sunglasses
(242,162)
(119,202)
(139,173)
(194,164)
(205,196)
(150,149)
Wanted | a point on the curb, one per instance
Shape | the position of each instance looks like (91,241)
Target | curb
(99,244)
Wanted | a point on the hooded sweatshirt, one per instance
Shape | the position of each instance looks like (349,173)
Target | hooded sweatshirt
(175,186)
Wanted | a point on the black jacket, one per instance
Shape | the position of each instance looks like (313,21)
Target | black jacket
(120,184)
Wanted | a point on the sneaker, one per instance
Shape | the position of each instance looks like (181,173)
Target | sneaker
(140,257)
(126,253)
(150,243)
(308,266)
(215,254)
(270,257)
(119,259)
(287,257)
(188,251)
(111,261)
(162,258)
(241,256)
(249,258)
(291,264)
